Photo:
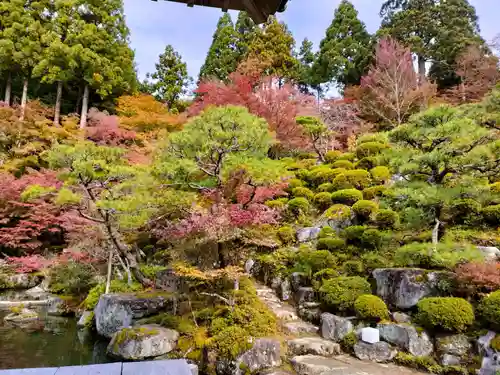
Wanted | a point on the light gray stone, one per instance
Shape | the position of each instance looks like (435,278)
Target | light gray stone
(400,317)
(314,346)
(305,294)
(449,360)
(457,345)
(193,368)
(286,290)
(22,316)
(86,320)
(19,281)
(308,234)
(379,352)
(299,327)
(276,282)
(483,344)
(334,327)
(490,253)
(318,365)
(265,353)
(490,365)
(141,342)
(310,312)
(407,338)
(298,279)
(249,265)
(59,307)
(370,335)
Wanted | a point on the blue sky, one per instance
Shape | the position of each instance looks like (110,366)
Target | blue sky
(153,25)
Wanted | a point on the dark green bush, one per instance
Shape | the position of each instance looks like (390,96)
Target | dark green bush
(326,232)
(372,261)
(489,310)
(303,192)
(354,233)
(353,268)
(364,209)
(380,174)
(323,200)
(374,191)
(347,196)
(323,174)
(347,156)
(332,156)
(338,212)
(298,205)
(311,261)
(340,293)
(372,239)
(464,211)
(371,307)
(369,149)
(345,164)
(295,183)
(348,341)
(327,187)
(330,244)
(445,313)
(367,163)
(386,218)
(72,278)
(286,234)
(359,178)
(491,215)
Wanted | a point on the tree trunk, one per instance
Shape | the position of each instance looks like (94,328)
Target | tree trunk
(110,268)
(421,70)
(78,100)
(435,236)
(462,89)
(24,99)
(8,89)
(57,110)
(85,107)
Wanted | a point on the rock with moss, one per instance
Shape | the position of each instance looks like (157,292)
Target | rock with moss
(452,348)
(334,327)
(86,320)
(265,354)
(379,352)
(61,306)
(305,294)
(19,280)
(406,337)
(166,279)
(313,346)
(140,342)
(308,234)
(310,312)
(21,316)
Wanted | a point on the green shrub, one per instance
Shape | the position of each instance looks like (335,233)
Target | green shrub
(491,215)
(353,268)
(495,188)
(380,174)
(71,278)
(116,286)
(323,174)
(347,156)
(344,164)
(298,205)
(311,261)
(428,364)
(150,270)
(295,183)
(354,233)
(371,307)
(326,232)
(372,239)
(231,342)
(341,182)
(359,178)
(374,191)
(323,200)
(348,341)
(327,187)
(330,244)
(364,209)
(286,234)
(495,343)
(463,211)
(332,156)
(340,293)
(276,204)
(347,196)
(302,174)
(445,313)
(386,218)
(370,149)
(303,192)
(372,261)
(489,310)
(367,163)
(338,212)
(372,137)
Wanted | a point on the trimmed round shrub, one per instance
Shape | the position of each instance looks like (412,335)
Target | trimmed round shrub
(386,218)
(353,268)
(345,164)
(276,204)
(491,214)
(295,183)
(370,149)
(341,182)
(374,191)
(462,210)
(286,234)
(323,174)
(302,174)
(371,307)
(297,205)
(354,233)
(445,313)
(364,209)
(312,261)
(340,293)
(367,163)
(323,200)
(330,244)
(347,156)
(303,192)
(380,174)
(372,137)
(339,212)
(332,156)
(372,239)
(359,178)
(347,196)
(372,261)
(489,310)
(495,188)
(327,187)
(327,232)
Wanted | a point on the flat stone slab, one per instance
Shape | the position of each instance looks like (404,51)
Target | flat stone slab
(314,346)
(299,327)
(169,367)
(103,369)
(30,371)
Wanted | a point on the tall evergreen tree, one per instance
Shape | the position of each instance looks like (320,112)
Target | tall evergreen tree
(222,56)
(306,58)
(245,32)
(345,51)
(171,77)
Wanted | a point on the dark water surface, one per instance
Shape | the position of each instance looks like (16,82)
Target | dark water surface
(51,342)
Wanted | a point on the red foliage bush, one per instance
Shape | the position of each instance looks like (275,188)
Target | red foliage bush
(342,117)
(105,129)
(478,277)
(28,264)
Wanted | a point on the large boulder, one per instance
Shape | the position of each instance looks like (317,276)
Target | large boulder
(378,352)
(58,306)
(334,327)
(308,234)
(19,281)
(286,290)
(490,253)
(116,311)
(314,346)
(298,279)
(402,288)
(305,294)
(318,365)
(167,280)
(310,311)
(457,345)
(141,342)
(407,337)
(265,353)
(86,320)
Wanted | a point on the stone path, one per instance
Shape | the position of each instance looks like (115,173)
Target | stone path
(313,355)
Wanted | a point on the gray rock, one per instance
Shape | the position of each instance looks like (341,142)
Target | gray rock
(310,312)
(298,279)
(483,344)
(141,342)
(249,266)
(276,282)
(449,360)
(407,338)
(400,317)
(116,311)
(404,287)
(305,294)
(490,253)
(318,365)
(167,280)
(334,327)
(37,293)
(86,320)
(59,307)
(314,346)
(308,234)
(300,326)
(22,316)
(457,345)
(193,368)
(286,290)
(378,352)
(490,365)
(265,353)
(19,281)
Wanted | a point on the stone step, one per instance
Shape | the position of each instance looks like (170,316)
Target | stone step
(300,327)
(314,346)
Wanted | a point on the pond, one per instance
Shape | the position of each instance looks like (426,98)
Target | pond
(51,342)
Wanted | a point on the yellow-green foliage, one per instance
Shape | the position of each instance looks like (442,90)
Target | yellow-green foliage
(489,310)
(380,174)
(492,215)
(348,341)
(371,307)
(347,196)
(341,182)
(326,187)
(286,234)
(386,218)
(495,343)
(311,261)
(133,333)
(495,188)
(150,270)
(298,205)
(347,156)
(428,364)
(303,192)
(277,262)
(67,197)
(374,191)
(359,178)
(276,204)
(116,286)
(354,233)
(295,183)
(330,243)
(367,163)
(323,200)
(345,164)
(445,313)
(231,342)
(372,238)
(35,192)
(463,211)
(373,137)
(340,293)
(323,174)
(339,212)
(364,208)
(353,268)
(326,232)
(332,156)
(370,149)
(374,260)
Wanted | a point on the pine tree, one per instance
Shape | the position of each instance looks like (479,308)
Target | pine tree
(222,56)
(245,31)
(306,58)
(346,49)
(171,77)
